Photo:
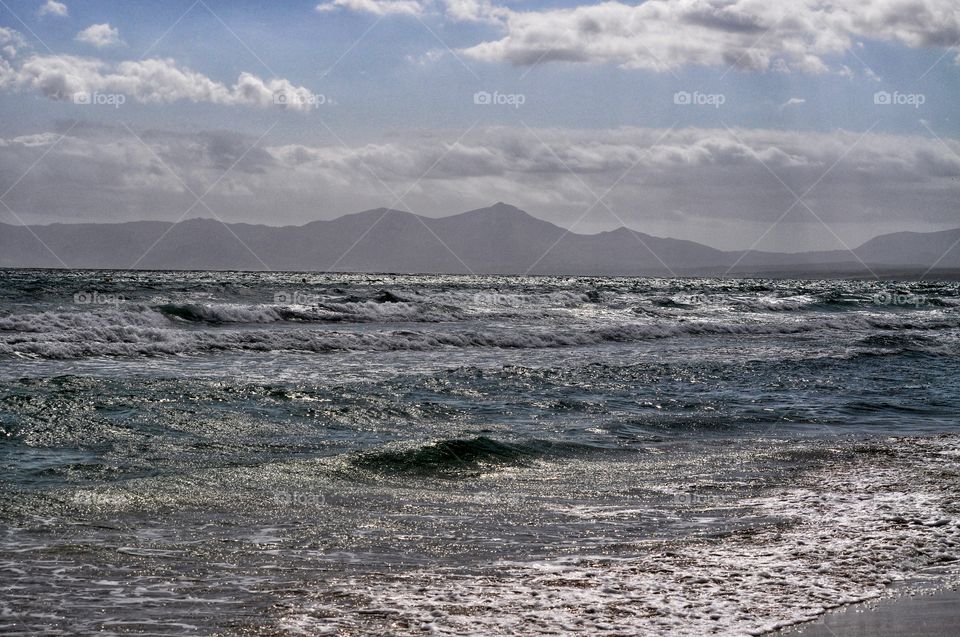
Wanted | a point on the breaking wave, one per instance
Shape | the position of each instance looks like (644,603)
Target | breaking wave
(149,332)
(350,311)
(457,457)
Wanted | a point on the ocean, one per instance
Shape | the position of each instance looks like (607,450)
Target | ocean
(350,454)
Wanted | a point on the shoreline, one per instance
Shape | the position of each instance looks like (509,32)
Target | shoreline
(907,612)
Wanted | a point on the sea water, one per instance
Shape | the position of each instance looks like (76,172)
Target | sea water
(264,453)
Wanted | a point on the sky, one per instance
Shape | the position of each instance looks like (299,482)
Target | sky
(789,125)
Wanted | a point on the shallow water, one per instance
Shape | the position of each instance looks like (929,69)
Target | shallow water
(254,453)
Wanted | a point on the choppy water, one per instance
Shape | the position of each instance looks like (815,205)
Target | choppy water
(250,453)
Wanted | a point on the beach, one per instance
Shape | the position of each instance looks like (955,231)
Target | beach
(930,614)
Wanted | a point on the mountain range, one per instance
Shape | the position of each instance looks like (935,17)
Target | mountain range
(500,239)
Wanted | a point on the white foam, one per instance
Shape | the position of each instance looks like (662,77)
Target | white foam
(228,312)
(128,332)
(854,531)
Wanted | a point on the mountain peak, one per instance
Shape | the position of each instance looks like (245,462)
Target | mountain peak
(499,214)
(501,209)
(508,210)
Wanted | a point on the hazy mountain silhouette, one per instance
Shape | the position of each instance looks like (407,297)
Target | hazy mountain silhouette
(497,239)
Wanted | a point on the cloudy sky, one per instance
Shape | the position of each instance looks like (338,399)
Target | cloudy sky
(797,124)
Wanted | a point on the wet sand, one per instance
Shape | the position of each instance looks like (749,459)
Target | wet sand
(920,615)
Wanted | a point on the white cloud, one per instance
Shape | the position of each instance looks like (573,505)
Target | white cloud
(605,154)
(661,35)
(456,10)
(11,41)
(793,101)
(99,35)
(375,7)
(427,58)
(155,80)
(475,11)
(54,8)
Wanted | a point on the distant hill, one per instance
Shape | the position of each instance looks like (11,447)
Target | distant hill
(500,239)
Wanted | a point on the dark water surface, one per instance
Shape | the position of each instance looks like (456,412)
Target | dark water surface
(252,453)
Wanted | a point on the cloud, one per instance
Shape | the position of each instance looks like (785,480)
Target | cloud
(375,7)
(426,58)
(793,101)
(54,8)
(154,80)
(11,41)
(455,10)
(879,183)
(99,35)
(662,35)
(475,11)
